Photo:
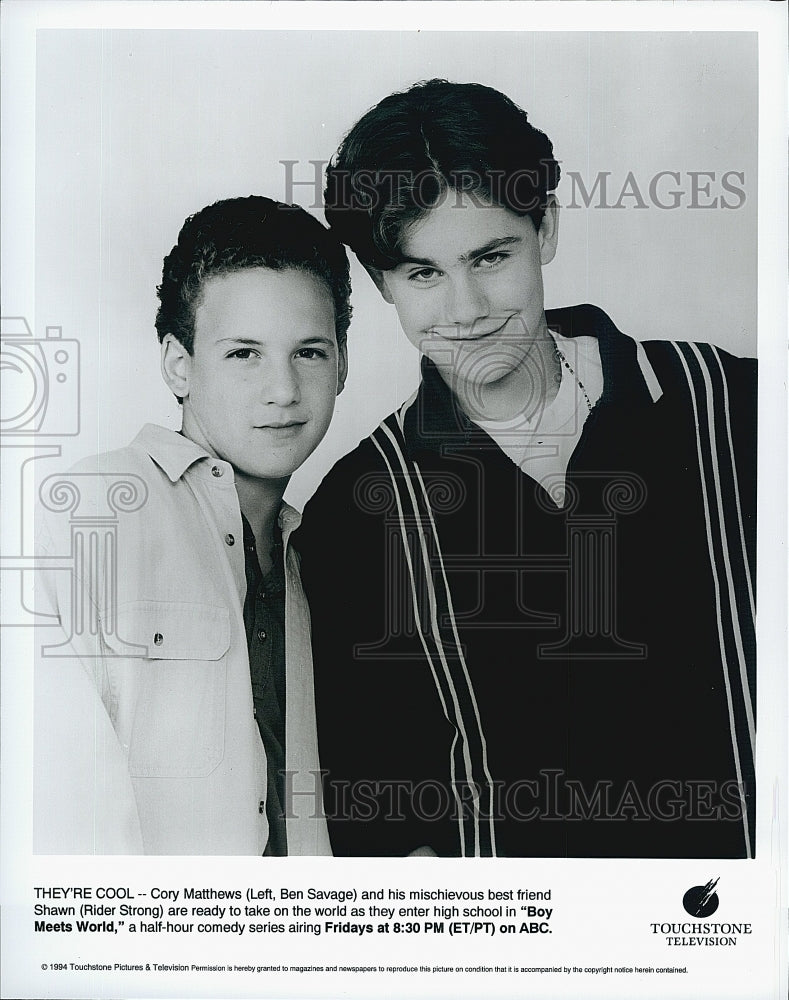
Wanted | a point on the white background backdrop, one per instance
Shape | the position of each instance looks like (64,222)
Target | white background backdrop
(137,129)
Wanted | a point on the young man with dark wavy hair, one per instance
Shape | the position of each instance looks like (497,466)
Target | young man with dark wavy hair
(175,715)
(533,613)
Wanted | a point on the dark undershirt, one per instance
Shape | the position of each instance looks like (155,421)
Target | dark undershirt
(264,620)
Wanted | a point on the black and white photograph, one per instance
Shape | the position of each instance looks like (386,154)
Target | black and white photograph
(394,451)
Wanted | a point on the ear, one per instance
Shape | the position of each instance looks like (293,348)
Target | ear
(176,366)
(548,233)
(379,277)
(342,367)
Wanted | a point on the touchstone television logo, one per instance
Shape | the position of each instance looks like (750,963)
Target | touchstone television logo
(701,900)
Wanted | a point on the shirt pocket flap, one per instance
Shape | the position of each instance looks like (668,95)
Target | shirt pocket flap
(169,630)
(177,684)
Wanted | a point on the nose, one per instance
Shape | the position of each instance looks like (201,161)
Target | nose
(281,384)
(466,304)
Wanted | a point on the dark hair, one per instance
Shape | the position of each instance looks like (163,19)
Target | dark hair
(407,152)
(240,233)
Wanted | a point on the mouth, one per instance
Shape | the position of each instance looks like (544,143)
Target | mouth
(285,429)
(473,335)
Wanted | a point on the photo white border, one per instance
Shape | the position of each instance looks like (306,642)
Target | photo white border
(20,20)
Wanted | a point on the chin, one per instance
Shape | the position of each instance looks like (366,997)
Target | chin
(497,374)
(483,374)
(283,471)
(269,470)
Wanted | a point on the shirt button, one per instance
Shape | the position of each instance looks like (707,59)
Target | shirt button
(230,540)
(261,807)
(216,471)
(158,639)
(262,634)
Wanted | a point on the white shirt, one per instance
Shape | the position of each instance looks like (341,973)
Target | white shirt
(145,737)
(541,444)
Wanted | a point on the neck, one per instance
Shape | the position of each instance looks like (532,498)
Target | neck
(260,501)
(525,389)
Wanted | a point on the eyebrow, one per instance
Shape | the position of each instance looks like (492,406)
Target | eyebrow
(252,342)
(464,258)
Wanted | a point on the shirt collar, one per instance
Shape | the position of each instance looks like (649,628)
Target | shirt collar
(171,451)
(433,417)
(289,520)
(628,377)
(175,454)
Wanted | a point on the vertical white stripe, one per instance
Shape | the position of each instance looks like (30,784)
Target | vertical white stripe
(405,407)
(735,620)
(727,684)
(736,483)
(473,697)
(651,379)
(436,632)
(424,644)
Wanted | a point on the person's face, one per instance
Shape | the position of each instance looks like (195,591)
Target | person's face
(259,388)
(469,293)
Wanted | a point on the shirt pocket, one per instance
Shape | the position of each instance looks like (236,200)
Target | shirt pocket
(178,728)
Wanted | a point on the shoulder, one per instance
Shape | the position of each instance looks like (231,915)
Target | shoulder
(102,485)
(714,394)
(156,455)
(129,460)
(688,364)
(366,457)
(346,495)
(584,320)
(674,347)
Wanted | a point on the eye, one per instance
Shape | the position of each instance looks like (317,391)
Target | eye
(243,353)
(489,260)
(312,354)
(423,275)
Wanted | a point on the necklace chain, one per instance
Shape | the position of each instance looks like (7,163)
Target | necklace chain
(560,357)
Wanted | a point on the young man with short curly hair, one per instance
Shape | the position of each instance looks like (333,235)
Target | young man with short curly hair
(179,719)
